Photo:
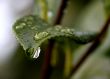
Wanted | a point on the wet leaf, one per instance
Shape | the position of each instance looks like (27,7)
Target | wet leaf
(31,31)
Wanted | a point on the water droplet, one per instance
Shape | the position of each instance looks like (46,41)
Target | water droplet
(41,35)
(64,30)
(68,31)
(23,24)
(19,27)
(29,22)
(33,27)
(37,52)
(37,37)
(58,27)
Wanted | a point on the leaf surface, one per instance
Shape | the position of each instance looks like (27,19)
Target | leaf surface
(31,31)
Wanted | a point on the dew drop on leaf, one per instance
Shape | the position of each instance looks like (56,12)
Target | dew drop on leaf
(21,26)
(33,28)
(30,18)
(67,31)
(58,28)
(41,35)
(37,52)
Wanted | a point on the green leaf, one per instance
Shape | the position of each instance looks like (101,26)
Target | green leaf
(31,31)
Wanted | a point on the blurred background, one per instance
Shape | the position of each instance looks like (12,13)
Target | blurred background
(82,15)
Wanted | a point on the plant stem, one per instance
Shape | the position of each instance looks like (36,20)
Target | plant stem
(92,48)
(44,8)
(46,67)
(60,12)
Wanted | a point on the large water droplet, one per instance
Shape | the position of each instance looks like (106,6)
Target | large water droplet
(37,52)
(21,26)
(41,35)
(58,27)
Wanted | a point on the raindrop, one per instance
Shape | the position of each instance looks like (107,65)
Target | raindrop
(33,27)
(68,31)
(37,52)
(41,35)
(19,27)
(58,27)
(23,24)
(64,30)
(30,18)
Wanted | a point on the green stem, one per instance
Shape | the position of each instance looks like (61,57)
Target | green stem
(44,9)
